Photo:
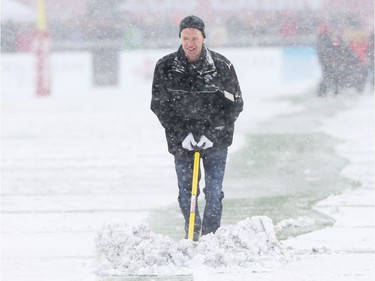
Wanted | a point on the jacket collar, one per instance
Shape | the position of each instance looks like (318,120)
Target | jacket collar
(206,62)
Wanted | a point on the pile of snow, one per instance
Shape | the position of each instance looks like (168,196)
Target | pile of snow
(295,223)
(124,250)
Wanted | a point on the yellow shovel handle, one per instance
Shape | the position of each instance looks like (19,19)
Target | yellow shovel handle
(194,189)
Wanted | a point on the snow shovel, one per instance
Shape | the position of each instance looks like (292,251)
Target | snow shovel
(194,189)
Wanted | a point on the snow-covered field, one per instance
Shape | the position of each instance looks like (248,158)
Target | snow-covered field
(74,162)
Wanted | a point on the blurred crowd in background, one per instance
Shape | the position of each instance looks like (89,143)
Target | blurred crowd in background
(124,24)
(340,30)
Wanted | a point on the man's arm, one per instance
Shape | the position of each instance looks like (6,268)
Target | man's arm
(163,109)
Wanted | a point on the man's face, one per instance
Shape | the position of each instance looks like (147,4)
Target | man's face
(192,43)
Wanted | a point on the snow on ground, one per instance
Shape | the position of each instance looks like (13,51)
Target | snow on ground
(344,251)
(248,245)
(75,163)
(46,230)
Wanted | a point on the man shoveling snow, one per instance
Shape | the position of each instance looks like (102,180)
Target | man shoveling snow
(197,98)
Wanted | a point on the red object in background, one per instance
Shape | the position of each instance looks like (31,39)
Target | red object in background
(288,26)
(24,42)
(360,48)
(42,51)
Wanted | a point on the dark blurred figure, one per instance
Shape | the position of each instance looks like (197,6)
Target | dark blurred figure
(341,64)
(370,61)
(9,33)
(356,64)
(330,56)
(323,45)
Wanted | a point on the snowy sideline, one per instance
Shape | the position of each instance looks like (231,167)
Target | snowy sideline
(344,251)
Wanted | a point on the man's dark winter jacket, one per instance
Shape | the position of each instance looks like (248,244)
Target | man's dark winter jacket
(202,98)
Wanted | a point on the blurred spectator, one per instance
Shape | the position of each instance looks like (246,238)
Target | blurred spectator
(370,60)
(343,64)
(324,48)
(357,41)
(355,72)
(9,33)
(288,26)
(24,40)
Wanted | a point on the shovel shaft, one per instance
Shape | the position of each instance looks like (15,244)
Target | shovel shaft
(194,189)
